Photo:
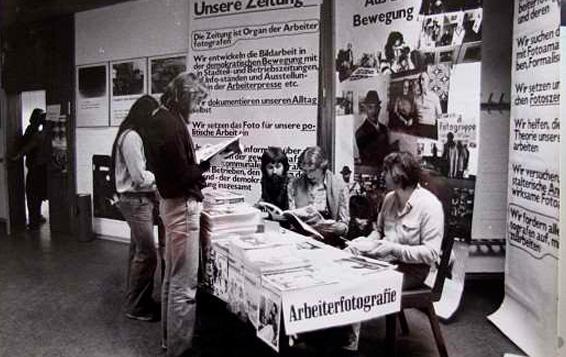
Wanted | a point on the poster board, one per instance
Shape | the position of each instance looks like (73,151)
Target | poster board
(162,69)
(92,95)
(409,74)
(261,64)
(128,79)
(528,314)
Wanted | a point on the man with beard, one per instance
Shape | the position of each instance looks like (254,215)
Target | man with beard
(274,180)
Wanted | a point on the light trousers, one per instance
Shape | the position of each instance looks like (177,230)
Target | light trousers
(181,218)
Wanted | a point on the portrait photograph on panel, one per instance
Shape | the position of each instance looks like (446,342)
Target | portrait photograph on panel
(163,70)
(128,78)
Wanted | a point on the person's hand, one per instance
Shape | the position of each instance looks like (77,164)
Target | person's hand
(16,157)
(382,249)
(330,227)
(362,245)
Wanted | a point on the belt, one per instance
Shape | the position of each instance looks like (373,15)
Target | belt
(138,194)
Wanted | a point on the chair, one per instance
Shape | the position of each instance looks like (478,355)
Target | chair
(423,297)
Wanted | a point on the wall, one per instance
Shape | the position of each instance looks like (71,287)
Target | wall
(129,30)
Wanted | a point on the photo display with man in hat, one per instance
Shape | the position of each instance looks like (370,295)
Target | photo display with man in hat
(415,84)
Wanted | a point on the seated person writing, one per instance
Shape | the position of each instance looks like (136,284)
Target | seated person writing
(410,225)
(319,191)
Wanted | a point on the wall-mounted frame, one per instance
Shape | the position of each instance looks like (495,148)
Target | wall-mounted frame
(128,83)
(162,69)
(92,95)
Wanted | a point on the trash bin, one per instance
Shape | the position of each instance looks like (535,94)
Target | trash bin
(84,218)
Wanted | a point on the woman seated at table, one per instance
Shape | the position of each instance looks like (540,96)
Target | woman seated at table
(410,225)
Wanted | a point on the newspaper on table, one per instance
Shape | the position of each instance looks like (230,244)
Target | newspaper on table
(257,254)
(213,198)
(227,217)
(231,146)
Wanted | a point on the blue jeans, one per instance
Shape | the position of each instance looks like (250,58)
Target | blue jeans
(181,218)
(137,209)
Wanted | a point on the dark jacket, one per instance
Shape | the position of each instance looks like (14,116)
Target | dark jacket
(171,157)
(373,145)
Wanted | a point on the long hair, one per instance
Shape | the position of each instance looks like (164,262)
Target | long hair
(391,39)
(313,155)
(274,154)
(138,119)
(404,168)
(185,87)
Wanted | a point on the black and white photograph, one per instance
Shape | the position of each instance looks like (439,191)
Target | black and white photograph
(92,95)
(92,82)
(129,83)
(163,69)
(393,188)
(128,78)
(269,319)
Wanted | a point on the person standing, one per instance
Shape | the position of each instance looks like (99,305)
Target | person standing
(35,147)
(135,185)
(179,181)
(428,108)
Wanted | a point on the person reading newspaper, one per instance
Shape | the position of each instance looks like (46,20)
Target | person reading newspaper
(321,196)
(410,224)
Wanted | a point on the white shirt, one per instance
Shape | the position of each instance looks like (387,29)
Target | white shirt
(428,108)
(418,226)
(130,170)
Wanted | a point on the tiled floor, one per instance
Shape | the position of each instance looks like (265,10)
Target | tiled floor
(61,297)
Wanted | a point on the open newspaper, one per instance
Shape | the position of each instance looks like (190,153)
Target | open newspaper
(297,218)
(230,146)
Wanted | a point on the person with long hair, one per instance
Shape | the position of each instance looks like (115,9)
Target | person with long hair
(274,179)
(179,180)
(410,224)
(135,185)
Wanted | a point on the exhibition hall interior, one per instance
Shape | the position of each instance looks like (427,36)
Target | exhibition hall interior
(281,177)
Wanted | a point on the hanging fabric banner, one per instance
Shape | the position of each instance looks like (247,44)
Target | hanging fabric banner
(260,61)
(528,312)
(408,79)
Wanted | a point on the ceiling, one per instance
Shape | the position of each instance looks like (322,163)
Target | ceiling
(26,11)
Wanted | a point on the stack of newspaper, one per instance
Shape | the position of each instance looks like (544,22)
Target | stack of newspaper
(215,198)
(251,256)
(224,219)
(225,216)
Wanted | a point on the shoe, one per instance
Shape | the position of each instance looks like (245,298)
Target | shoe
(42,220)
(140,317)
(33,226)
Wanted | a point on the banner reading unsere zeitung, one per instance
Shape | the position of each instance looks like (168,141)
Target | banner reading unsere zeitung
(260,61)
